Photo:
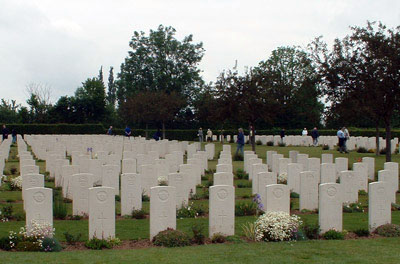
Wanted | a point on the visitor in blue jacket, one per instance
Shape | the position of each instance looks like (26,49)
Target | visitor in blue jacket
(240,141)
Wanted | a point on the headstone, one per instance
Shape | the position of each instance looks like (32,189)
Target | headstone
(293,155)
(293,179)
(379,205)
(80,193)
(330,215)
(393,167)
(222,210)
(392,180)
(101,212)
(278,198)
(326,158)
(131,193)
(256,169)
(308,190)
(224,168)
(223,178)
(275,162)
(303,159)
(162,209)
(348,182)
(110,177)
(328,173)
(371,167)
(361,172)
(314,164)
(181,184)
(148,178)
(341,165)
(264,179)
(31,181)
(39,206)
(129,166)
(269,160)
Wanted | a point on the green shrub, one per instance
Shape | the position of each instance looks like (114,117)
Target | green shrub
(249,231)
(231,140)
(353,208)
(294,195)
(281,144)
(19,216)
(395,207)
(138,214)
(27,246)
(388,230)
(145,198)
(240,174)
(333,235)
(6,211)
(13,170)
(362,150)
(325,147)
(171,238)
(238,157)
(245,208)
(311,231)
(218,238)
(243,185)
(299,235)
(362,232)
(270,143)
(50,244)
(10,201)
(198,234)
(71,239)
(117,198)
(362,193)
(76,217)
(190,211)
(258,142)
(5,243)
(98,244)
(382,151)
(59,209)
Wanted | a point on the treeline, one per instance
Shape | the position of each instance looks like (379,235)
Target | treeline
(159,85)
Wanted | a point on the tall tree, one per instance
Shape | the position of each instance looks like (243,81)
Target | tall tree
(9,111)
(101,74)
(111,94)
(294,82)
(364,66)
(39,101)
(160,62)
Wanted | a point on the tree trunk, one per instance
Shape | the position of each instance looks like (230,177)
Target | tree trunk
(388,143)
(146,131)
(377,139)
(163,130)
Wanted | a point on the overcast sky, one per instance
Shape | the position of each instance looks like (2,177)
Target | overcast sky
(62,43)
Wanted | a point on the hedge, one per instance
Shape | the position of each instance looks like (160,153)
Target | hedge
(176,134)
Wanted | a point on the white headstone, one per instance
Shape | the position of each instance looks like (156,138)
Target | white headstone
(341,165)
(330,213)
(278,198)
(308,190)
(80,193)
(349,184)
(293,179)
(371,167)
(222,210)
(326,158)
(39,206)
(361,172)
(328,173)
(223,178)
(181,183)
(131,193)
(379,205)
(162,209)
(101,213)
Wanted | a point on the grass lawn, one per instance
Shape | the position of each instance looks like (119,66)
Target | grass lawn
(348,251)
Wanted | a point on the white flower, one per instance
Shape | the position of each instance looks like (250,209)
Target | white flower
(276,226)
(17,182)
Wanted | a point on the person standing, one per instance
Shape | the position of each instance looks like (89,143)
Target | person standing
(200,135)
(315,136)
(304,132)
(5,132)
(128,131)
(341,137)
(110,131)
(14,135)
(282,135)
(209,135)
(157,135)
(240,142)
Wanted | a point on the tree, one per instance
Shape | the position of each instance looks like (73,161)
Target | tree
(111,94)
(245,98)
(90,101)
(8,111)
(365,67)
(160,62)
(101,74)
(294,82)
(39,101)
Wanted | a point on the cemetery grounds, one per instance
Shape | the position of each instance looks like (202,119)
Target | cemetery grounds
(236,250)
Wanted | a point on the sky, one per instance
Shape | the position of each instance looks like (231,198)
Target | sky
(60,44)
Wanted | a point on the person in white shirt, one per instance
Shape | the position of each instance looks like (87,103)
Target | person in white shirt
(305,132)
(209,135)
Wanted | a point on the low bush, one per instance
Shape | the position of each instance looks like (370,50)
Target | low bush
(138,214)
(362,193)
(198,234)
(117,198)
(281,144)
(311,231)
(13,170)
(243,185)
(98,244)
(361,232)
(249,230)
(171,238)
(388,230)
(240,174)
(6,212)
(145,198)
(5,243)
(270,143)
(258,142)
(276,226)
(294,195)
(362,150)
(50,244)
(325,147)
(71,239)
(333,235)
(28,246)
(299,236)
(190,211)
(382,151)
(245,208)
(353,208)
(218,238)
